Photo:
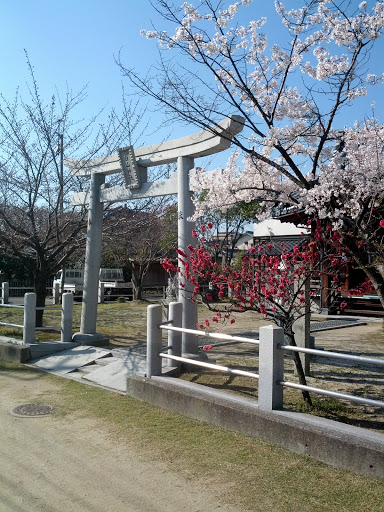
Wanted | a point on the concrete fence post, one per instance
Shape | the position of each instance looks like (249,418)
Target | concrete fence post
(5,292)
(56,293)
(175,315)
(154,340)
(67,317)
(100,298)
(271,367)
(29,318)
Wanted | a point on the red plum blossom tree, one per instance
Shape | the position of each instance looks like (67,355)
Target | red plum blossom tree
(270,278)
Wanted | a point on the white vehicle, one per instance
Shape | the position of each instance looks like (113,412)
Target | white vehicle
(73,282)
(108,275)
(111,278)
(114,286)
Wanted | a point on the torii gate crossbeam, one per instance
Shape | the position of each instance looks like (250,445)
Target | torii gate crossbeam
(183,151)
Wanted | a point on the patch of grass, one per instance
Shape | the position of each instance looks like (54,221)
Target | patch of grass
(247,472)
(327,407)
(232,383)
(124,323)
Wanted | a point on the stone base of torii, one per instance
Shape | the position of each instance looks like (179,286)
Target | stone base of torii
(133,164)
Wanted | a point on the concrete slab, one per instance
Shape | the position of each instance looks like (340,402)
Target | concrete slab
(11,350)
(338,323)
(114,375)
(45,348)
(69,360)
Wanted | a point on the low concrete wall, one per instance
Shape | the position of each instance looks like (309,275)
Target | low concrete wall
(337,444)
(12,350)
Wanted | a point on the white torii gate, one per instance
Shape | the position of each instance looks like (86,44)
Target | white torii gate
(133,164)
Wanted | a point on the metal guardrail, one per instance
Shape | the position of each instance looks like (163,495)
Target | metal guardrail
(17,291)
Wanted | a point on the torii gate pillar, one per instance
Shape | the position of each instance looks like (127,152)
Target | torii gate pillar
(185,227)
(92,263)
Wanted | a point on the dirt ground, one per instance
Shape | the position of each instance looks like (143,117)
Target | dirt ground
(51,464)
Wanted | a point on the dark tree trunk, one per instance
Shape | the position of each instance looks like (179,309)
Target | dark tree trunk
(41,278)
(137,292)
(138,273)
(137,281)
(299,368)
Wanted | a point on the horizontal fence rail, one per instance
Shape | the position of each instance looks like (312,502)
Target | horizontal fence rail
(11,325)
(334,394)
(333,355)
(211,366)
(271,357)
(217,336)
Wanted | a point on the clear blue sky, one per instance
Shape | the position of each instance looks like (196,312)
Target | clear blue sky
(74,42)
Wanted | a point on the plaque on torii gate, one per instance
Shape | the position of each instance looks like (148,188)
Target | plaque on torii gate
(133,164)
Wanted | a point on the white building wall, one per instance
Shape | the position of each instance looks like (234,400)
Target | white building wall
(274,227)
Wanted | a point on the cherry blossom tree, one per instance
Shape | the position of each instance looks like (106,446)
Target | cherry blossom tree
(292,95)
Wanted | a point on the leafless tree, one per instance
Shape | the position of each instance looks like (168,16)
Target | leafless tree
(137,238)
(38,225)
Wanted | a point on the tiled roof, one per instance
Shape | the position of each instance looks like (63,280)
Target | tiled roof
(289,241)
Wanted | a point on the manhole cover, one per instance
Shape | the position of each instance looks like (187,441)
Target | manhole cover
(32,410)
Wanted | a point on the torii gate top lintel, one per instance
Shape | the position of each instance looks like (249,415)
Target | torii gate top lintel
(203,143)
